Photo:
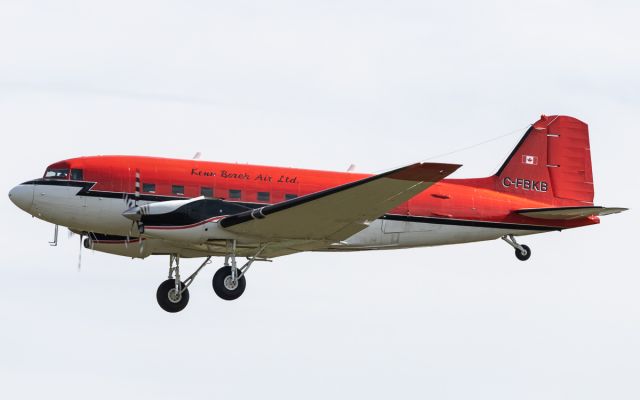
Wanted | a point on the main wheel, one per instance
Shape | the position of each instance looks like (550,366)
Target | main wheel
(169,299)
(224,286)
(525,254)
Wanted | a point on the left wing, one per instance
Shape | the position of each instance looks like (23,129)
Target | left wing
(338,213)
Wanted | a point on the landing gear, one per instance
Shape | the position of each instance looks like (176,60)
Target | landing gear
(523,252)
(229,281)
(173,294)
(225,286)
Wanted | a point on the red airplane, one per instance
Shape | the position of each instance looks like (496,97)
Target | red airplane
(140,206)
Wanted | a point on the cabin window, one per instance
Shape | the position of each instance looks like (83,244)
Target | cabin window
(149,187)
(177,190)
(206,191)
(290,196)
(263,196)
(235,193)
(57,173)
(76,175)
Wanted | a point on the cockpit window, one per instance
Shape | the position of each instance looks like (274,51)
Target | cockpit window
(76,174)
(57,173)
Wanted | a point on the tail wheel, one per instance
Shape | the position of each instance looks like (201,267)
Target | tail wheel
(169,299)
(225,287)
(524,254)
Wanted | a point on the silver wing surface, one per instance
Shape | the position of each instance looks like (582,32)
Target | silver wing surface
(340,212)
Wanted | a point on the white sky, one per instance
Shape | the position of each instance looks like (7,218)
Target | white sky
(322,85)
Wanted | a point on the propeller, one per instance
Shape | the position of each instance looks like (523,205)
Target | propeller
(71,234)
(134,213)
(80,253)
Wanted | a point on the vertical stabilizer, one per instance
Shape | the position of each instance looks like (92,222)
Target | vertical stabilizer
(552,161)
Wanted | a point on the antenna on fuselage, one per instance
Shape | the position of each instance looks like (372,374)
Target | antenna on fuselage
(197,156)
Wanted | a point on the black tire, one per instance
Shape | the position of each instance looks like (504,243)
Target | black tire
(162,295)
(224,292)
(523,256)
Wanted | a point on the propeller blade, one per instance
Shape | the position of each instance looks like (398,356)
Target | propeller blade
(80,253)
(134,212)
(137,192)
(126,242)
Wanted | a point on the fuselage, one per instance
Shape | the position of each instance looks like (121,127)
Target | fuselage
(90,194)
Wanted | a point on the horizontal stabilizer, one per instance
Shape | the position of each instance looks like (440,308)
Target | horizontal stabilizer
(568,213)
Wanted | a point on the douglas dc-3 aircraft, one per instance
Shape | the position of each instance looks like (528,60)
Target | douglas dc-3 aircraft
(140,206)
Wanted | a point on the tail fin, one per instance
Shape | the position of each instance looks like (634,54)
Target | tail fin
(552,163)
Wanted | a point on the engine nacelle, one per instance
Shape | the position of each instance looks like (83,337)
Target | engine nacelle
(193,221)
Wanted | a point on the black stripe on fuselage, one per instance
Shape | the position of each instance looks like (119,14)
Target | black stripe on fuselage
(473,223)
(86,191)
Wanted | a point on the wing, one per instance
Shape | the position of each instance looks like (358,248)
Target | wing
(568,213)
(338,213)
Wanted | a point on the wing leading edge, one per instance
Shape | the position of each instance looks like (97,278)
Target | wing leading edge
(340,212)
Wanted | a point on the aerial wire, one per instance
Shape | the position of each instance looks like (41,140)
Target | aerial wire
(461,149)
(493,139)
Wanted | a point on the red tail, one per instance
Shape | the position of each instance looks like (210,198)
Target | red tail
(552,163)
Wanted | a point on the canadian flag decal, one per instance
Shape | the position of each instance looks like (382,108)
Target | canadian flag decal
(531,160)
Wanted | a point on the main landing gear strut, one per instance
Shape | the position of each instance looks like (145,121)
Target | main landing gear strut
(173,294)
(228,282)
(523,252)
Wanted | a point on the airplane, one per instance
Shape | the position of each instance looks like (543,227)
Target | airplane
(138,206)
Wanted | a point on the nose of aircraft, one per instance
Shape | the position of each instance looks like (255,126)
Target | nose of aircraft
(22,196)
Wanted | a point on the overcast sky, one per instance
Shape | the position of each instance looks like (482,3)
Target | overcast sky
(322,85)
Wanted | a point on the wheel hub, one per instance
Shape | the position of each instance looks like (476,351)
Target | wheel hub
(230,284)
(174,296)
